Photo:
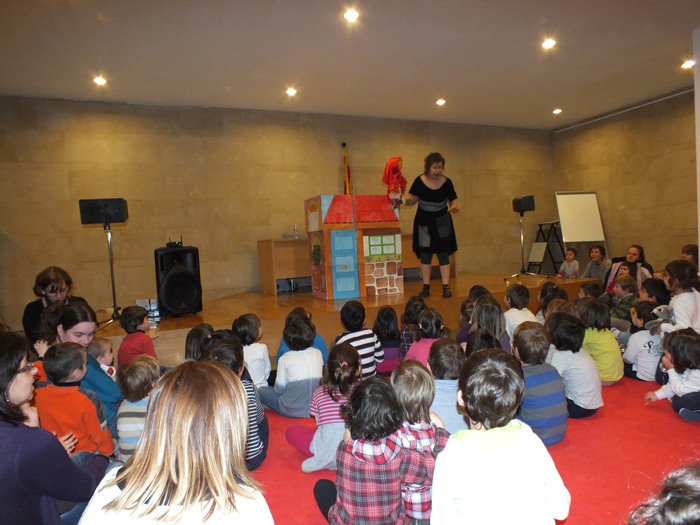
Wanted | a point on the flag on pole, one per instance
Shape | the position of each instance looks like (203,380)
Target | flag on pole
(348,177)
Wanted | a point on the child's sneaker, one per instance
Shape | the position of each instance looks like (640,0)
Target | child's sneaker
(689,415)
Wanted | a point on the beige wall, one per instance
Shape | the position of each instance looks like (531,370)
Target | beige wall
(223,179)
(642,164)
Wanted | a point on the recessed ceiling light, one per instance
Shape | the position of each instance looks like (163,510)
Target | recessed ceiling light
(548,43)
(440,102)
(99,80)
(291,91)
(351,15)
(556,111)
(688,64)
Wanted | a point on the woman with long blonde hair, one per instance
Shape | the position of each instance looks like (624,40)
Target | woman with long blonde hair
(189,465)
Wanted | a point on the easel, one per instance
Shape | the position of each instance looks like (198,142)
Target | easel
(549,232)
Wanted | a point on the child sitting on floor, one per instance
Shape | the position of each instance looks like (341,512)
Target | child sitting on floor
(682,360)
(644,350)
(445,360)
(386,328)
(101,350)
(480,339)
(134,321)
(516,300)
(409,322)
(298,372)
(654,290)
(352,315)
(229,352)
(257,359)
(421,431)
(136,379)
(65,408)
(466,310)
(497,456)
(599,341)
(319,343)
(370,461)
(682,279)
(194,344)
(625,298)
(541,294)
(584,392)
(488,314)
(544,402)
(589,289)
(430,329)
(569,268)
(343,372)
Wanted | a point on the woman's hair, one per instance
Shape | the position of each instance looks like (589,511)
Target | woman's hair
(692,250)
(372,411)
(492,386)
(386,325)
(65,315)
(684,347)
(566,331)
(488,314)
(600,248)
(13,348)
(682,275)
(195,341)
(299,334)
(446,358)
(677,503)
(50,279)
(415,390)
(560,305)
(479,339)
(641,253)
(414,307)
(656,288)
(228,352)
(430,325)
(342,371)
(532,342)
(431,159)
(218,335)
(136,378)
(247,328)
(593,313)
(193,446)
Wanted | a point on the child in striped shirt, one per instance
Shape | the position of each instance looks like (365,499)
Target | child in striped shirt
(343,372)
(135,379)
(352,315)
(229,352)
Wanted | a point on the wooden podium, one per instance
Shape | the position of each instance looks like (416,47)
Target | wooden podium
(282,259)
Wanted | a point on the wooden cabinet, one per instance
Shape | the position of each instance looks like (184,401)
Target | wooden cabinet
(282,259)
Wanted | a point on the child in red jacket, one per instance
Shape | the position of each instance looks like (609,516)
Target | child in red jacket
(134,321)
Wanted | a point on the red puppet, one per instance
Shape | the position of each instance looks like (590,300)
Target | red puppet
(395,181)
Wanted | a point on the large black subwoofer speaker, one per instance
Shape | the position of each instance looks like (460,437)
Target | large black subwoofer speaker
(178,281)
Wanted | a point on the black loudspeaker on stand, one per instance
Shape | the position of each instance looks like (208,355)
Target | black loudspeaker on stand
(178,281)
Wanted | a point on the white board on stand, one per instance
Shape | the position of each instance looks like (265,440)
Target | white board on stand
(579,216)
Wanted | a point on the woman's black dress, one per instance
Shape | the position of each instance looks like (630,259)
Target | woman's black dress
(433,230)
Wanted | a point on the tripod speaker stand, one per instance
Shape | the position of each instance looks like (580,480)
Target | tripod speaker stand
(105,212)
(521,205)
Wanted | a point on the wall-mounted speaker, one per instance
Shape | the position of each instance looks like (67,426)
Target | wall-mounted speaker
(178,281)
(103,211)
(523,204)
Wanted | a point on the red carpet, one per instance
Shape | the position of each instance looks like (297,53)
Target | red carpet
(609,462)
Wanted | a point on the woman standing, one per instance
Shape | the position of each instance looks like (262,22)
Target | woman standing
(189,465)
(53,286)
(34,466)
(433,230)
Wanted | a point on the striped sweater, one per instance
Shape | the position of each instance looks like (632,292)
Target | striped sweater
(368,346)
(130,421)
(256,414)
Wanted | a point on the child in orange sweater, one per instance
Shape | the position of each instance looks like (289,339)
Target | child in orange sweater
(64,407)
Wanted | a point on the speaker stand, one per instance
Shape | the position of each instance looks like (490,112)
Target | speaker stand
(522,271)
(115,308)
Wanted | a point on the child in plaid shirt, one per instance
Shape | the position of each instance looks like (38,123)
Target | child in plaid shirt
(422,431)
(371,462)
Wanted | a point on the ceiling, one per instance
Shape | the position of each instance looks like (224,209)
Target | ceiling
(483,57)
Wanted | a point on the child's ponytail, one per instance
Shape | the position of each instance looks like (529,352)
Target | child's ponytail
(342,371)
